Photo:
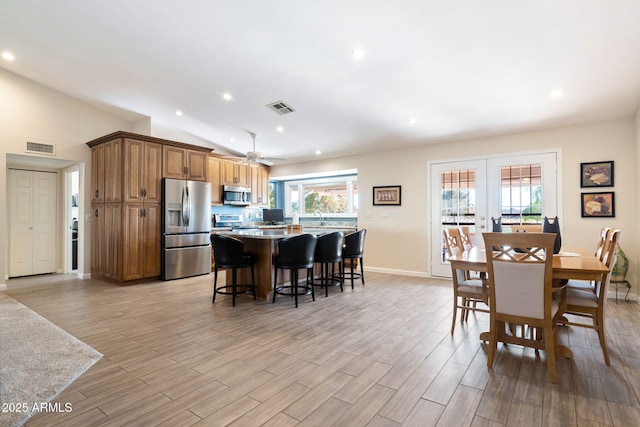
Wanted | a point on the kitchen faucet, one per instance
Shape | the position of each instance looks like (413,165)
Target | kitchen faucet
(317,212)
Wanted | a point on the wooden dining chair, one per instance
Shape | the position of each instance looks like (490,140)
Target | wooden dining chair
(520,293)
(465,237)
(591,304)
(452,241)
(468,289)
(527,228)
(601,249)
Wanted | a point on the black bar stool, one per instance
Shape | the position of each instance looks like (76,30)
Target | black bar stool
(329,253)
(353,250)
(228,253)
(295,253)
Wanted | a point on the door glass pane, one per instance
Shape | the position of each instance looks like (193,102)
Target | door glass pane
(521,194)
(458,201)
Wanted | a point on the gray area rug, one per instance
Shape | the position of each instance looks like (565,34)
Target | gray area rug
(37,361)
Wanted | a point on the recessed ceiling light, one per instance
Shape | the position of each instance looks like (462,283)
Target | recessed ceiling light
(8,56)
(178,112)
(232,139)
(318,152)
(413,120)
(357,53)
(227,96)
(556,93)
(280,129)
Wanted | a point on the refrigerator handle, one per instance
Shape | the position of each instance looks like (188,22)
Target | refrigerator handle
(188,216)
(183,212)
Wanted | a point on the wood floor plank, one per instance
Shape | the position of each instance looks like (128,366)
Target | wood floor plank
(362,357)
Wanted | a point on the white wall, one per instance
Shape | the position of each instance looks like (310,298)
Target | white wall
(397,237)
(32,112)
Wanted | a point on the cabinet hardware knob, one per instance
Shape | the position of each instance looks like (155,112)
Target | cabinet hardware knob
(96,194)
(96,213)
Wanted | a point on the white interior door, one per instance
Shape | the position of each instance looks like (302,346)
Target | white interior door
(518,188)
(32,222)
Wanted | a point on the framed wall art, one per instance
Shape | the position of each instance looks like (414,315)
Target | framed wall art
(596,174)
(598,205)
(387,195)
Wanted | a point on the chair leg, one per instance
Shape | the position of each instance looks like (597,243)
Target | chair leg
(294,284)
(234,286)
(550,340)
(351,269)
(362,271)
(310,283)
(493,343)
(325,278)
(215,283)
(455,312)
(275,283)
(599,323)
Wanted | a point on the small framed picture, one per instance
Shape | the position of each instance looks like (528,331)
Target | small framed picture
(598,205)
(596,174)
(387,195)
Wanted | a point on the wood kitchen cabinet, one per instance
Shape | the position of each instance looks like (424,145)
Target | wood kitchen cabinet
(106,161)
(235,172)
(126,183)
(259,185)
(142,171)
(183,163)
(214,171)
(141,241)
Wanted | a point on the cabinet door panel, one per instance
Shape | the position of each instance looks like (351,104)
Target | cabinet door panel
(196,165)
(113,171)
(152,173)
(133,170)
(151,242)
(112,223)
(132,235)
(213,176)
(173,162)
(97,241)
(97,174)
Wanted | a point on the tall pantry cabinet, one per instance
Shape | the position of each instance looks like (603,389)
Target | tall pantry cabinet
(126,183)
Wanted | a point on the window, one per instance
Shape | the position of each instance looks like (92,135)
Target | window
(521,194)
(337,196)
(458,197)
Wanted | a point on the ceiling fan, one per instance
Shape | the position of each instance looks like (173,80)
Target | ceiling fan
(255,156)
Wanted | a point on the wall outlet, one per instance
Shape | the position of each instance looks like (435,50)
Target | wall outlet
(87,217)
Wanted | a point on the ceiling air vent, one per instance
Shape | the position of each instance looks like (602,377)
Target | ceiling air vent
(38,148)
(280,107)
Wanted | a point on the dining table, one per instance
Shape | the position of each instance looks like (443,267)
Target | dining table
(566,266)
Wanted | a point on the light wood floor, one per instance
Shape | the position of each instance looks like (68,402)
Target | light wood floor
(380,355)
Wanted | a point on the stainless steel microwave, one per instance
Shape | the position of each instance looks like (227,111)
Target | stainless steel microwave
(237,196)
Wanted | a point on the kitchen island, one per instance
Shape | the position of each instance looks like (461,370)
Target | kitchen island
(263,245)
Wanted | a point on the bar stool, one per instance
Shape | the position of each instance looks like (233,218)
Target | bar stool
(329,253)
(295,253)
(353,250)
(228,253)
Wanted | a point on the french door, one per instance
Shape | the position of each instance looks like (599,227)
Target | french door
(518,188)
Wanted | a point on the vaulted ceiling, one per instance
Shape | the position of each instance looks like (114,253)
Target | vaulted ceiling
(429,71)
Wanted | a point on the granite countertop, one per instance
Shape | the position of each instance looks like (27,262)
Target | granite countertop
(279,233)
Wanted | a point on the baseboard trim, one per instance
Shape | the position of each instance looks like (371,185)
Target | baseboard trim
(3,287)
(397,272)
(84,276)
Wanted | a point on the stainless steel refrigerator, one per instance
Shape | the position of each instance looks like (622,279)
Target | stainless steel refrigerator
(186,227)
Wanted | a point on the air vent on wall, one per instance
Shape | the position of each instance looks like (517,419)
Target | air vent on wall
(38,148)
(280,107)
